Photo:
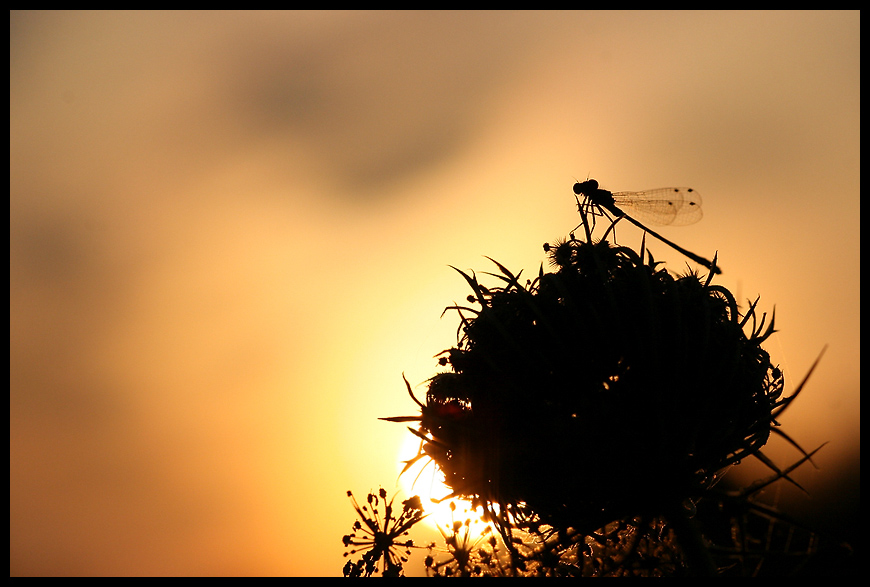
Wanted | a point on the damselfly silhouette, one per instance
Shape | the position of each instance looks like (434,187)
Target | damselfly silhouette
(666,206)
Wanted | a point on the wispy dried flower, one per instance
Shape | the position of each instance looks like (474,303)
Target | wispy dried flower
(381,539)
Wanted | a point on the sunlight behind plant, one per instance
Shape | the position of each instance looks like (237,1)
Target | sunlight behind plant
(424,479)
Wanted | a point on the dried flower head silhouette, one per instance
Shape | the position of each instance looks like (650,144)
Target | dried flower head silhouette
(588,410)
(379,538)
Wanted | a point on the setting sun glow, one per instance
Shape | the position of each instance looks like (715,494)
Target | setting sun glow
(424,479)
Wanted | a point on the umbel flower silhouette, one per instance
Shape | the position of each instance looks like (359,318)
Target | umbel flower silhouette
(588,410)
(381,539)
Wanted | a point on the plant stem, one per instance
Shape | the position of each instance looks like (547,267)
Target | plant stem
(695,551)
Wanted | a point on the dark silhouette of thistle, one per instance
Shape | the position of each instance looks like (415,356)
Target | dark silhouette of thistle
(588,411)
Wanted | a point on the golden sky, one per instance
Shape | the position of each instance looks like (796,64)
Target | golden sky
(230,236)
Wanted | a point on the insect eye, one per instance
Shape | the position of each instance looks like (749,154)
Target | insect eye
(587,186)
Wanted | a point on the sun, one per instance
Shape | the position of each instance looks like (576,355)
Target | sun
(424,479)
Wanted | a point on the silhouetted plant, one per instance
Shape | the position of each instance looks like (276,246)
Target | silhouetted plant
(589,410)
(466,556)
(382,540)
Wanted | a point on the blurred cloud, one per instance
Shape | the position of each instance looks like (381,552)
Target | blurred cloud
(230,234)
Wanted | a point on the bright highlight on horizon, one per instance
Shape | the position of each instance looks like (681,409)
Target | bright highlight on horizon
(426,480)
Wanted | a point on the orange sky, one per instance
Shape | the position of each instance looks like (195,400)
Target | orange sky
(230,236)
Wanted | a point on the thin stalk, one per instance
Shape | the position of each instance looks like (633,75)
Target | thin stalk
(695,551)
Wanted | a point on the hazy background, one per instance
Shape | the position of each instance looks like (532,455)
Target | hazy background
(230,235)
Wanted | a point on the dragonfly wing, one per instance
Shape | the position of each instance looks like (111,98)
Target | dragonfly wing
(664,206)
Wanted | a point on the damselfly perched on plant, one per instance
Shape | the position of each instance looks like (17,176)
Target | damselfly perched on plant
(666,206)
